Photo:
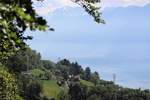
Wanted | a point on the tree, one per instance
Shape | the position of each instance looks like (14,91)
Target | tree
(87,74)
(48,64)
(77,91)
(15,17)
(23,60)
(75,69)
(33,90)
(65,62)
(95,78)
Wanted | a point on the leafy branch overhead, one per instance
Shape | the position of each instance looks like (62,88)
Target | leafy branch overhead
(91,8)
(15,17)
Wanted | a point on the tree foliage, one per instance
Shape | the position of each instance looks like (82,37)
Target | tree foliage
(23,60)
(16,16)
(91,8)
(33,90)
(87,74)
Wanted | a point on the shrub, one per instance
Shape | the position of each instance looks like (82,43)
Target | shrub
(8,87)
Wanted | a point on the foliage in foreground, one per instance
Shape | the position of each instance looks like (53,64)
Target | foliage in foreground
(8,85)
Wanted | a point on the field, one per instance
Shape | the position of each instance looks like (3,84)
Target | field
(50,88)
(87,83)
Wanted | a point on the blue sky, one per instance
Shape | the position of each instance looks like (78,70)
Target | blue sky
(121,46)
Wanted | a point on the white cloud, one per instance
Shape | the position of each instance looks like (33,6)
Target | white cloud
(48,6)
(124,3)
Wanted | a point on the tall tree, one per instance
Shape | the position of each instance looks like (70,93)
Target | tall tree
(95,78)
(75,69)
(87,73)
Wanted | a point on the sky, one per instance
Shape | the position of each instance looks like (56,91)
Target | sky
(120,46)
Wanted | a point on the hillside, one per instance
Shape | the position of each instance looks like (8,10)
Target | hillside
(50,88)
(65,80)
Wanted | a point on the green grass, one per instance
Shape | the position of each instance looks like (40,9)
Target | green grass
(50,88)
(37,72)
(87,83)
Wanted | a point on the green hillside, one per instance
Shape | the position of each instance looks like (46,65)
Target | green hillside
(50,88)
(87,83)
(65,80)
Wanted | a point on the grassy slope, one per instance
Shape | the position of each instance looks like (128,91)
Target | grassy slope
(50,88)
(37,72)
(86,83)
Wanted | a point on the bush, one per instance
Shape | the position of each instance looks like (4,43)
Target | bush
(33,90)
(63,95)
(8,87)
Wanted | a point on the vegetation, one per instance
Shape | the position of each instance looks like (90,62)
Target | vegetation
(87,83)
(8,87)
(37,73)
(50,88)
(68,80)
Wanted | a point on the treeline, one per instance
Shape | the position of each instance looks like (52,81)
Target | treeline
(76,83)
